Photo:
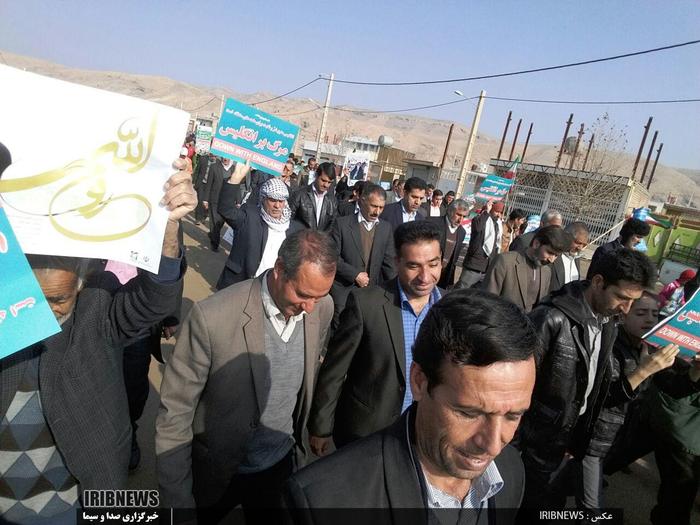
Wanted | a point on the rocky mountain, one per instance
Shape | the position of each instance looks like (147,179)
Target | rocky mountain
(423,136)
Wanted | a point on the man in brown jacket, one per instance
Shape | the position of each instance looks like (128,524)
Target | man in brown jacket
(237,390)
(523,278)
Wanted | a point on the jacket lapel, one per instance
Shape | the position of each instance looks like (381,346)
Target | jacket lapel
(355,234)
(545,271)
(559,273)
(254,334)
(521,269)
(392,313)
(401,476)
(312,336)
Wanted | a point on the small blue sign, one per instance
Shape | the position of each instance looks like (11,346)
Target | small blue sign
(247,134)
(494,188)
(25,316)
(681,328)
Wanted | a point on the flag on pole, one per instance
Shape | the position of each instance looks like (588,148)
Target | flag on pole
(512,169)
(643,214)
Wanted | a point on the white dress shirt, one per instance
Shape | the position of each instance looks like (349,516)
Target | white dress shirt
(367,224)
(319,203)
(283,327)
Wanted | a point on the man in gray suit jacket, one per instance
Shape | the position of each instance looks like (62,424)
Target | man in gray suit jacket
(567,267)
(362,384)
(365,245)
(237,390)
(523,278)
(63,406)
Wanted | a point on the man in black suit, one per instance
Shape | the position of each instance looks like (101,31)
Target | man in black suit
(259,230)
(314,205)
(567,267)
(451,239)
(218,173)
(471,381)
(362,383)
(350,206)
(365,245)
(484,244)
(432,207)
(408,208)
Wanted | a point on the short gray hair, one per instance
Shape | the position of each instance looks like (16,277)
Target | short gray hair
(549,215)
(457,203)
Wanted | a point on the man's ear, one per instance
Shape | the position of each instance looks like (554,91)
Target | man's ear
(419,382)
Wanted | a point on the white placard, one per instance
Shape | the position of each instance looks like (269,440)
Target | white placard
(88,168)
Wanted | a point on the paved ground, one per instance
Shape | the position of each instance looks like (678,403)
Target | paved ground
(634,492)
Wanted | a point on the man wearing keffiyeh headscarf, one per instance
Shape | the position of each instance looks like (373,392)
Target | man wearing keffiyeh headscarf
(259,231)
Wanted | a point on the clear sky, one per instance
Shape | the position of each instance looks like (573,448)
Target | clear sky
(273,47)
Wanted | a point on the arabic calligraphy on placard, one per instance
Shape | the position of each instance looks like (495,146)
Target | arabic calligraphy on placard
(82,193)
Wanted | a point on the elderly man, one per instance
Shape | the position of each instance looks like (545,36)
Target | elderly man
(523,278)
(484,244)
(237,390)
(315,206)
(471,382)
(451,239)
(408,208)
(549,218)
(365,246)
(63,407)
(363,382)
(567,267)
(259,232)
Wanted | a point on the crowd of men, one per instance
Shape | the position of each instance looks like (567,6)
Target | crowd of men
(345,327)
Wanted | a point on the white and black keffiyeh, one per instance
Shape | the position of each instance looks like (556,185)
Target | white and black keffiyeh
(276,189)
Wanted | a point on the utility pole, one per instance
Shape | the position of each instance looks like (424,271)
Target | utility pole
(641,146)
(322,129)
(470,144)
(444,153)
(566,132)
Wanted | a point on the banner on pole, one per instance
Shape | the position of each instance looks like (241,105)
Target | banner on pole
(681,328)
(247,134)
(494,188)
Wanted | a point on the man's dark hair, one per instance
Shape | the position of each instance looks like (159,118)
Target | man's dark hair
(310,159)
(414,183)
(471,327)
(437,193)
(359,187)
(624,264)
(558,239)
(370,188)
(516,214)
(414,232)
(634,227)
(327,169)
(450,194)
(430,187)
(308,246)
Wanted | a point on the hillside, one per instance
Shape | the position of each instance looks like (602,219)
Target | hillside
(423,136)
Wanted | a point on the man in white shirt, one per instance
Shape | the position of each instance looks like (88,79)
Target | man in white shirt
(567,267)
(433,206)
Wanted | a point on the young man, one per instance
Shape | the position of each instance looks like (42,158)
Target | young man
(314,206)
(578,330)
(408,208)
(363,382)
(471,382)
(523,278)
(511,228)
(433,206)
(631,234)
